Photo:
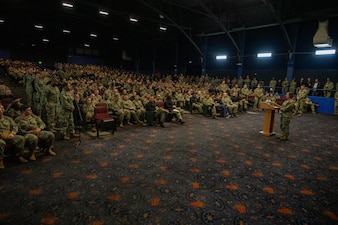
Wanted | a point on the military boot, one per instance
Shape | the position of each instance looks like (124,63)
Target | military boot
(32,157)
(22,159)
(2,166)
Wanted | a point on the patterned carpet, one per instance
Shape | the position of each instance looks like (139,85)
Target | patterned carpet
(204,172)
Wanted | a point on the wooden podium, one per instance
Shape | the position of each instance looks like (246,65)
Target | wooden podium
(269,116)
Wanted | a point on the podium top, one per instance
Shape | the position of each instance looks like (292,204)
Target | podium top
(271,105)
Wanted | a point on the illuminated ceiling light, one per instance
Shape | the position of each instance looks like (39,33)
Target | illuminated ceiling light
(326,52)
(103,12)
(161,16)
(93,35)
(133,19)
(45,40)
(66,31)
(38,26)
(2,20)
(163,28)
(220,57)
(321,39)
(324,45)
(87,45)
(68,4)
(116,38)
(264,55)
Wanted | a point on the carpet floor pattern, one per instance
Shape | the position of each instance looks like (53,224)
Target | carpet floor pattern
(203,172)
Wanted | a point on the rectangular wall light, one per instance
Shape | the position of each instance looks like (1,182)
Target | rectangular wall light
(87,45)
(326,52)
(220,57)
(93,35)
(66,31)
(133,19)
(45,40)
(163,28)
(68,4)
(38,26)
(264,55)
(103,12)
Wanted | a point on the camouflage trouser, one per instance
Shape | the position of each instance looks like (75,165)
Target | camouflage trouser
(18,143)
(243,104)
(161,113)
(300,106)
(120,115)
(29,93)
(312,107)
(51,110)
(256,103)
(68,126)
(132,113)
(44,139)
(178,114)
(327,94)
(37,103)
(198,106)
(232,109)
(284,125)
(212,109)
(141,113)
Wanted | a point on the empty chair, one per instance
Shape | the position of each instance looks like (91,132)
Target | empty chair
(101,115)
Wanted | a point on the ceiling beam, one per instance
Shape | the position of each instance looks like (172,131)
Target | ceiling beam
(280,22)
(173,22)
(214,17)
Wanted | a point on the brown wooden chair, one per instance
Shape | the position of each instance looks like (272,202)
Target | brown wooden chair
(101,115)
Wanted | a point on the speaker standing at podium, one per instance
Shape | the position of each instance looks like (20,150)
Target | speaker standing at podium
(287,110)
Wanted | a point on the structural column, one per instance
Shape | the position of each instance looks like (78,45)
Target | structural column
(291,58)
(204,56)
(240,58)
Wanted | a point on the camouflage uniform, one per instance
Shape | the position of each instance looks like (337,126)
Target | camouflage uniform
(328,87)
(38,94)
(88,112)
(13,109)
(231,107)
(45,139)
(259,93)
(272,85)
(309,103)
(52,104)
(140,110)
(247,81)
(287,110)
(210,103)
(67,108)
(285,85)
(8,126)
(293,86)
(129,105)
(117,107)
(243,102)
(302,93)
(28,84)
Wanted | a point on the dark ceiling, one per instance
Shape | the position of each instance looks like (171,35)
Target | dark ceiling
(184,19)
